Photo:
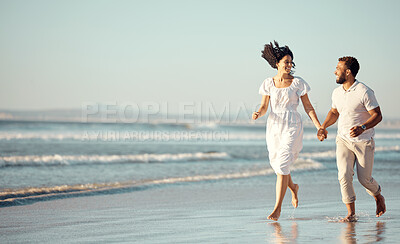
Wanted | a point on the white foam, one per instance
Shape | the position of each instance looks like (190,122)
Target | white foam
(160,135)
(121,136)
(325,154)
(332,153)
(306,164)
(35,160)
(385,149)
(56,159)
(387,136)
(43,136)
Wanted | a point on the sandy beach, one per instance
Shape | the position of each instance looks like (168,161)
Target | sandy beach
(67,190)
(205,213)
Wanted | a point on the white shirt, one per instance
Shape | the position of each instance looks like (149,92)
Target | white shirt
(353,106)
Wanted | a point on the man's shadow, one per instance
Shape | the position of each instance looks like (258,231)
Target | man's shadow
(376,234)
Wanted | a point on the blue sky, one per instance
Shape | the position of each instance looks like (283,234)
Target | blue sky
(61,54)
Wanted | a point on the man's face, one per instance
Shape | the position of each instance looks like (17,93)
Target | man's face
(340,72)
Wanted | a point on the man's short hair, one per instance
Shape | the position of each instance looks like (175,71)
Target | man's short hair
(351,63)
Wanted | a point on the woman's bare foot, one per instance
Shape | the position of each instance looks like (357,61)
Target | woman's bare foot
(380,205)
(275,215)
(295,200)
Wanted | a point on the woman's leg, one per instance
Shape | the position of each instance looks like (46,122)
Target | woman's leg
(282,182)
(294,188)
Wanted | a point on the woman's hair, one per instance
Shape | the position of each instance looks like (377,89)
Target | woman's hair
(351,63)
(274,54)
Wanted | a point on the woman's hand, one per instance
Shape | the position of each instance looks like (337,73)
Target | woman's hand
(263,108)
(322,134)
(256,115)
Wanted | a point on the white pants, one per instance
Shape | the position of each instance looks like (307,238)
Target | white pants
(360,154)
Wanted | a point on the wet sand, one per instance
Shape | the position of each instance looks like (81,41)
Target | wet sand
(203,213)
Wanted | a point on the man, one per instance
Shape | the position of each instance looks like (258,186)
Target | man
(358,111)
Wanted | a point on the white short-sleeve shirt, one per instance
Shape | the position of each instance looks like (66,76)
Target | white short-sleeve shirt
(353,106)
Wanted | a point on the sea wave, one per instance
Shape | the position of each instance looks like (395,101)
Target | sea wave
(41,136)
(388,149)
(121,135)
(11,197)
(56,159)
(332,153)
(325,154)
(51,160)
(188,134)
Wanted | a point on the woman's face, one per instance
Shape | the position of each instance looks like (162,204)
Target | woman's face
(285,64)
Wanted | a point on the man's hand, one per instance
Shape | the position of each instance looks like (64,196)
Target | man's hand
(322,134)
(356,131)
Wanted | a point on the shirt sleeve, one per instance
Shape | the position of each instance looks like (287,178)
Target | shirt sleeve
(264,88)
(303,88)
(369,100)
(333,101)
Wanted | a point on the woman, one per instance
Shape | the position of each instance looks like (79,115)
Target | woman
(284,126)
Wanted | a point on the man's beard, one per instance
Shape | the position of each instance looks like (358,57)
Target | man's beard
(340,80)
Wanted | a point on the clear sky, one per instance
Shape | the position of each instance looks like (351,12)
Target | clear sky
(61,54)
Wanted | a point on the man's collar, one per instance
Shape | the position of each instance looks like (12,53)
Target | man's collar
(352,87)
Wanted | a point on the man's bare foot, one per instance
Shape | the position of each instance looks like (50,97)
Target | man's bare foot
(380,205)
(295,200)
(349,218)
(275,215)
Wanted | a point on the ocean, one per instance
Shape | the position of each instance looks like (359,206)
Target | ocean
(44,160)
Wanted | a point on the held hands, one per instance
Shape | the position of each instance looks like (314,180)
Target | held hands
(322,134)
(256,115)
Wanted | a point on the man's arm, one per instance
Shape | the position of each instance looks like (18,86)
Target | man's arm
(374,119)
(331,118)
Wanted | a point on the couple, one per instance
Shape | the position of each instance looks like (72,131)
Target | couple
(353,103)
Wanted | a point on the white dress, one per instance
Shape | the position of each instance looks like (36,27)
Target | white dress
(284,126)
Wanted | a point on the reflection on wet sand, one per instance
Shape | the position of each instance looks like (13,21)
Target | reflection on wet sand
(375,234)
(349,233)
(281,236)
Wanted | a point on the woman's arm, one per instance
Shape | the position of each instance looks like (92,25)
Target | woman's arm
(310,111)
(263,108)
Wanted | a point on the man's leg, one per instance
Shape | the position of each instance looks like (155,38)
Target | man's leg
(345,160)
(365,160)
(380,205)
(351,213)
